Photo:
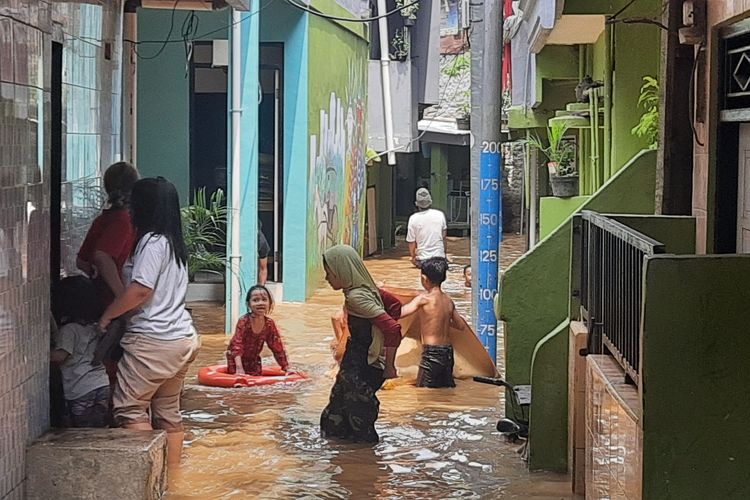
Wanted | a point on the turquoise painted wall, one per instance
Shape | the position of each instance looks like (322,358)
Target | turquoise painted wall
(163,107)
(248,202)
(283,23)
(534,300)
(695,407)
(337,89)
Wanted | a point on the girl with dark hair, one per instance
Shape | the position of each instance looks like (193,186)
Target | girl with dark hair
(253,330)
(160,341)
(109,241)
(110,238)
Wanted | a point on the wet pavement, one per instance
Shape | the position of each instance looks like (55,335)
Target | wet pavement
(265,442)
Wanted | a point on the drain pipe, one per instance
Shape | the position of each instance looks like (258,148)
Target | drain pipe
(236,112)
(385,75)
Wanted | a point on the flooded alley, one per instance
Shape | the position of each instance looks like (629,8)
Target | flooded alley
(265,442)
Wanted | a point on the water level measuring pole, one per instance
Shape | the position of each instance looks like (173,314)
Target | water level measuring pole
(490,177)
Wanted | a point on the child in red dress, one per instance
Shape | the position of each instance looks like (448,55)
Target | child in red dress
(253,329)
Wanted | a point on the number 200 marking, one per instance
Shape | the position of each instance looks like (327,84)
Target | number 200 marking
(492,147)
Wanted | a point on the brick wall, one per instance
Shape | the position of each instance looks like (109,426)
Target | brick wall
(90,139)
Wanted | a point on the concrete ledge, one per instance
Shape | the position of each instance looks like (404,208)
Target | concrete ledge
(97,464)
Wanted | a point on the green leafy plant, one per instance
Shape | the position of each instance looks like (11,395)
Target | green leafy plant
(464,105)
(407,10)
(560,153)
(401,46)
(648,125)
(204,229)
(461,64)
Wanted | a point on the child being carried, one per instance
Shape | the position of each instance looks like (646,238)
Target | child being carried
(437,315)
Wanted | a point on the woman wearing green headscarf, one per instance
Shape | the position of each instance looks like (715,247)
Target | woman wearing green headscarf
(370,351)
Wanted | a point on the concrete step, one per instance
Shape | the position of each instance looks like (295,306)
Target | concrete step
(97,464)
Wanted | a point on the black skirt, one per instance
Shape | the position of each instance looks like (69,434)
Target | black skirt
(353,407)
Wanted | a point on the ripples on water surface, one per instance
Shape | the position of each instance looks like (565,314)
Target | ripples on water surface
(265,442)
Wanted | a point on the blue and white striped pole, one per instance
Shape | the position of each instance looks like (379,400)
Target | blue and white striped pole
(490,234)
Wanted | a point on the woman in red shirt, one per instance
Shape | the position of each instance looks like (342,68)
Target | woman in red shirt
(111,236)
(253,330)
(110,241)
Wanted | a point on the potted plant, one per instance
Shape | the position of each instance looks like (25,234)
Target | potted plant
(560,155)
(204,230)
(408,9)
(458,69)
(401,46)
(463,121)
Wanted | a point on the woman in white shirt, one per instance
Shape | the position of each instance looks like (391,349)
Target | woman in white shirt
(160,341)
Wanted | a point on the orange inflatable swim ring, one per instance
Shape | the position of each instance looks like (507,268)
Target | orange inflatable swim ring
(217,376)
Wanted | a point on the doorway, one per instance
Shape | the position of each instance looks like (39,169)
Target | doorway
(56,166)
(208,122)
(743,190)
(271,154)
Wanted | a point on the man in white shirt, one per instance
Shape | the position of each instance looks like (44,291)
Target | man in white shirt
(426,230)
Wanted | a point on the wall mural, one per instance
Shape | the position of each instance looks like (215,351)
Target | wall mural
(337,175)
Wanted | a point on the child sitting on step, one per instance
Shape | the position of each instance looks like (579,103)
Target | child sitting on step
(77,308)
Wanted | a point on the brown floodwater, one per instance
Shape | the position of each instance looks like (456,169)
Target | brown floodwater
(265,442)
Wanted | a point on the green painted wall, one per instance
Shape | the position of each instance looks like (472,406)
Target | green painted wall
(548,424)
(556,78)
(695,404)
(337,97)
(163,108)
(629,39)
(439,176)
(599,6)
(535,291)
(675,232)
(553,211)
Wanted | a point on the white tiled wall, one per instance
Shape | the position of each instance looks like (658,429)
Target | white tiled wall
(91,105)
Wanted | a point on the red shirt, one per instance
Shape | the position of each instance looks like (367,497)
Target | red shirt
(247,344)
(386,322)
(112,233)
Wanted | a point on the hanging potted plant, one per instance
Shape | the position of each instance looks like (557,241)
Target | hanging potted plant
(560,153)
(463,121)
(400,44)
(408,10)
(459,69)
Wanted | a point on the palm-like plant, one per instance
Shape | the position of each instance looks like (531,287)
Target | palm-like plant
(648,125)
(204,229)
(560,153)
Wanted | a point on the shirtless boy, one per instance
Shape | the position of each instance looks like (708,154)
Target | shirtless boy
(437,315)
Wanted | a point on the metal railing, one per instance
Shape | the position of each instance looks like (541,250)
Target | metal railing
(612,256)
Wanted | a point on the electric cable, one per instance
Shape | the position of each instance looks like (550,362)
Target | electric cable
(307,9)
(169,34)
(693,97)
(202,35)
